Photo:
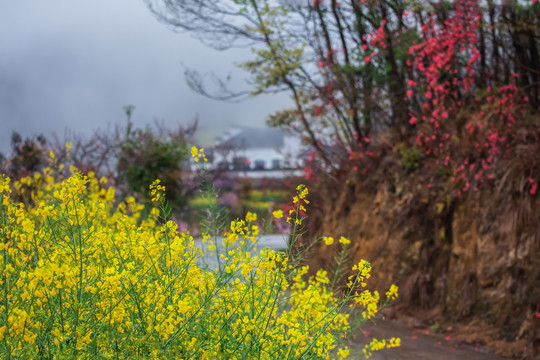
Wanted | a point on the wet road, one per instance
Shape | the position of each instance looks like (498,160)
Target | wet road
(416,344)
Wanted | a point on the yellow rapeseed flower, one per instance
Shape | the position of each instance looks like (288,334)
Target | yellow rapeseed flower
(251,216)
(328,240)
(198,154)
(138,280)
(392,293)
(344,241)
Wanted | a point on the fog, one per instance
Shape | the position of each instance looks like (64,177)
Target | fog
(74,65)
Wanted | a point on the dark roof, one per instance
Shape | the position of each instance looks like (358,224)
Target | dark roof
(249,138)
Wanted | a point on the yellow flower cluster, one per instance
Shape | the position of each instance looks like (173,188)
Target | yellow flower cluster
(392,293)
(157,191)
(244,229)
(198,154)
(367,300)
(377,345)
(278,214)
(364,273)
(344,241)
(5,187)
(84,277)
(297,208)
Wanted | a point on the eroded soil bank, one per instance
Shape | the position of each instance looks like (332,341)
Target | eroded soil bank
(469,267)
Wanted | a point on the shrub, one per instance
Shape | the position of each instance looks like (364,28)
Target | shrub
(27,156)
(145,155)
(410,156)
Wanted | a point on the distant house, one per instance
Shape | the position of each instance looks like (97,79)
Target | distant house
(244,149)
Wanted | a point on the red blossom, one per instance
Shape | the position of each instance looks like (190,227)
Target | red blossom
(534,186)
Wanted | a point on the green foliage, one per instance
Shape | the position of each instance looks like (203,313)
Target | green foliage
(202,202)
(275,196)
(145,155)
(408,38)
(410,156)
(271,66)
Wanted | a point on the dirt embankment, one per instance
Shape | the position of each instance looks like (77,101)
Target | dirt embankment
(470,266)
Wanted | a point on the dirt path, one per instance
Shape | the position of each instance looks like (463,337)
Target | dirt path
(417,344)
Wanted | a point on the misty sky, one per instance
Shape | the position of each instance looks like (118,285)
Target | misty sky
(74,64)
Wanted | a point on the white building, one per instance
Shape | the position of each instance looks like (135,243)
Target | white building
(257,152)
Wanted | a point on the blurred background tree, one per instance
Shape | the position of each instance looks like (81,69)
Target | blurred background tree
(27,156)
(145,155)
(349,67)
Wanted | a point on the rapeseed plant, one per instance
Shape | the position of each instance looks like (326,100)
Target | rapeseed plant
(85,277)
